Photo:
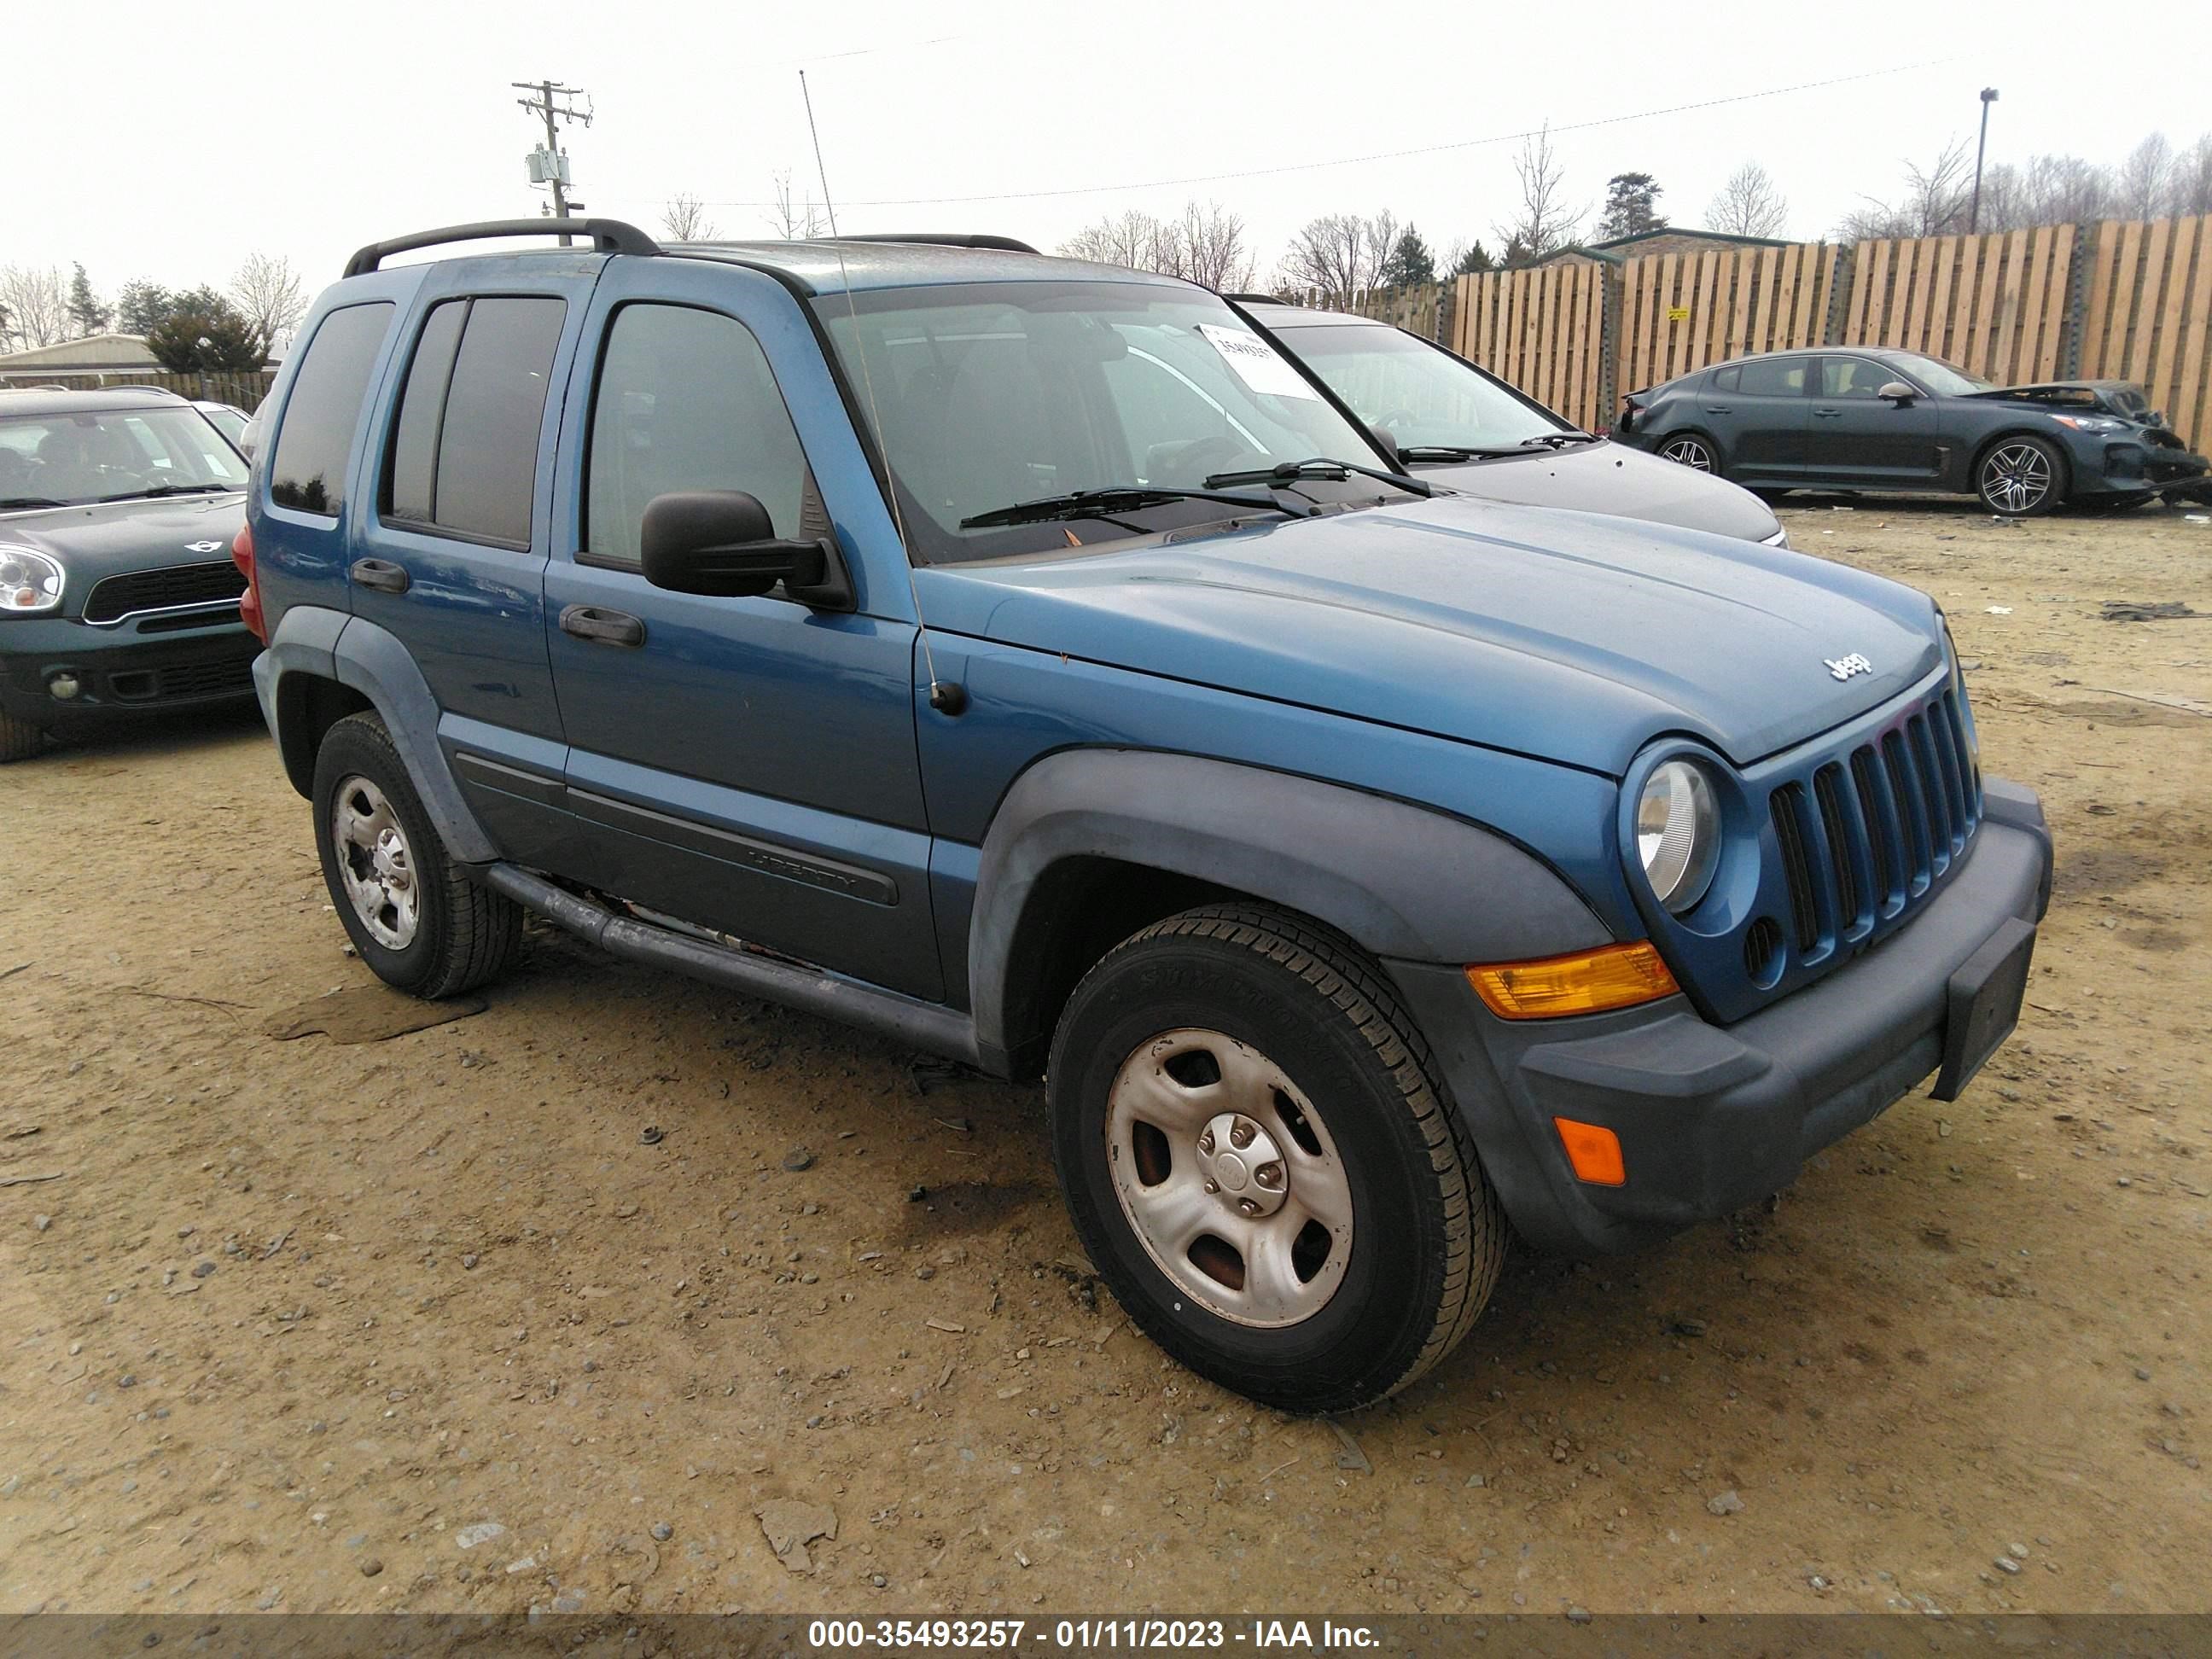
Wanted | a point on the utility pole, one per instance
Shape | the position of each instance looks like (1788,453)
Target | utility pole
(1974,213)
(549,165)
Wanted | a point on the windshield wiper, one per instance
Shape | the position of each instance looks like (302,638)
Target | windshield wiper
(1554,440)
(1452,452)
(158,490)
(1318,466)
(31,500)
(1114,498)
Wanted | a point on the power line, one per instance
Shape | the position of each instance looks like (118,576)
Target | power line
(1356,161)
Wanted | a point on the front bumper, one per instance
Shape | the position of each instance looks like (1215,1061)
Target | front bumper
(2127,466)
(1712,1118)
(159,663)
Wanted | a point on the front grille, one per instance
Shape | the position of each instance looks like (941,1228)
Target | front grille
(182,681)
(1876,828)
(163,590)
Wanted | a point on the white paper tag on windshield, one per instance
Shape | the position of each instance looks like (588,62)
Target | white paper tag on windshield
(1259,365)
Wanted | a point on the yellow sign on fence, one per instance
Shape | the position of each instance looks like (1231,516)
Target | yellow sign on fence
(1678,313)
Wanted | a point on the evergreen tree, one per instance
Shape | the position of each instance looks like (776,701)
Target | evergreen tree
(1632,206)
(86,315)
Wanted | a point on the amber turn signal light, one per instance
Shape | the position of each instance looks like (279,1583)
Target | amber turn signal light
(1594,1151)
(1586,982)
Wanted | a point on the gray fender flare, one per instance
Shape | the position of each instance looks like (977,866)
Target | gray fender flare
(331,645)
(1400,880)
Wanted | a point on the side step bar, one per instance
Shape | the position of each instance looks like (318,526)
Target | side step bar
(924,1025)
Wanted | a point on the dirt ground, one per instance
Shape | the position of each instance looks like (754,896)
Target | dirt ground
(426,1323)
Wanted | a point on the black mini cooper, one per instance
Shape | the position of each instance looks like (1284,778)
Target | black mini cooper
(118,595)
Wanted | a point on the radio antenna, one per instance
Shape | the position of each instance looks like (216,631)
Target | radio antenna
(947,699)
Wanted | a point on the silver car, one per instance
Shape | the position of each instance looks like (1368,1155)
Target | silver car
(1447,420)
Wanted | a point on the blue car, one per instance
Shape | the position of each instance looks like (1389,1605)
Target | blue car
(1023,660)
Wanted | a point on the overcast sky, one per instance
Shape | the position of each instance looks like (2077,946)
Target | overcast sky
(168,143)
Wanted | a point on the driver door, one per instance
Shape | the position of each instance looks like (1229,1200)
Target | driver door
(743,764)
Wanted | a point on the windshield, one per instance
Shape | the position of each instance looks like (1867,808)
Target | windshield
(223,418)
(991,395)
(75,457)
(1944,379)
(1415,393)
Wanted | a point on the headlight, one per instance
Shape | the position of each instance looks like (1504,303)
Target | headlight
(2091,422)
(30,581)
(1958,697)
(1678,834)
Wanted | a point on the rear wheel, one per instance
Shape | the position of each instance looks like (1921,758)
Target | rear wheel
(19,739)
(2020,477)
(1694,450)
(1260,1161)
(418,921)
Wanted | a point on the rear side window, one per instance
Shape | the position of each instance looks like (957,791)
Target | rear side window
(323,412)
(685,401)
(1777,377)
(464,456)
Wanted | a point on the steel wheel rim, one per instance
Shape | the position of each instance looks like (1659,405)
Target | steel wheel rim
(376,865)
(2016,478)
(1688,452)
(1233,1186)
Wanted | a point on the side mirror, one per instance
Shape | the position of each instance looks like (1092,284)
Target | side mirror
(1387,444)
(1897,393)
(722,542)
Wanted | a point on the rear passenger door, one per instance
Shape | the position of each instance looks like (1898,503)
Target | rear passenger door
(746,765)
(1760,414)
(452,555)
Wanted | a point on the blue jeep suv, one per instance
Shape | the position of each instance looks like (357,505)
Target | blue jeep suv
(1022,660)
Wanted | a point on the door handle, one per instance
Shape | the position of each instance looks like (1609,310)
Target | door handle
(1827,414)
(381,574)
(588,622)
(1720,408)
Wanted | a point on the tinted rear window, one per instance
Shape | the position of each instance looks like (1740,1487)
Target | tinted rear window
(1775,377)
(323,412)
(486,465)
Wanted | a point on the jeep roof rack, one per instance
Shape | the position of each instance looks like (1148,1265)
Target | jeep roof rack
(608,236)
(976,238)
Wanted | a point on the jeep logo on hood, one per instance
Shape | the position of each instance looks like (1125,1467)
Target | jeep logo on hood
(1844,667)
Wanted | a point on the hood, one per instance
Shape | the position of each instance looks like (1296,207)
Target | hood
(1569,637)
(2122,398)
(110,538)
(1611,478)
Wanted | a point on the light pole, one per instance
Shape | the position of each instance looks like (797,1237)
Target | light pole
(1974,213)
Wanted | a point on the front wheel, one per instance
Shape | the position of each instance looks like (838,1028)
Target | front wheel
(1692,450)
(1259,1162)
(19,739)
(2020,477)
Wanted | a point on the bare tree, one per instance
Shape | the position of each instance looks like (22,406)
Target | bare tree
(268,295)
(684,218)
(36,302)
(1749,203)
(2140,184)
(1131,238)
(1936,201)
(1340,253)
(1544,221)
(795,219)
(1214,248)
(2189,189)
